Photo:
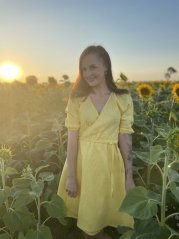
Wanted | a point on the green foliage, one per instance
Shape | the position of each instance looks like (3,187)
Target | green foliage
(19,219)
(32,125)
(42,233)
(173,139)
(27,190)
(151,157)
(145,229)
(175,190)
(4,236)
(156,150)
(140,203)
(56,208)
(145,204)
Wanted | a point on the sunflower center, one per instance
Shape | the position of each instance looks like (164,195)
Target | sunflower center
(145,91)
(177,92)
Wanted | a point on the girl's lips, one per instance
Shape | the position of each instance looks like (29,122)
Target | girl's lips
(91,80)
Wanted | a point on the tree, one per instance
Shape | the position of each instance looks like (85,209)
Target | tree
(52,81)
(65,77)
(31,80)
(65,80)
(169,72)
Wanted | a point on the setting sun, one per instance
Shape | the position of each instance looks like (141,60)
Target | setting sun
(9,71)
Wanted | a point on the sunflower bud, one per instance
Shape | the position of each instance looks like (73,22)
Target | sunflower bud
(5,153)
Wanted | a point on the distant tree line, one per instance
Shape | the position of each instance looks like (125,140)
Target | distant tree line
(32,80)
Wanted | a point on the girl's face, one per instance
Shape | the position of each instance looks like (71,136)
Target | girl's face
(93,70)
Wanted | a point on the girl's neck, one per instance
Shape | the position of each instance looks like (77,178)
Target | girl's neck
(100,90)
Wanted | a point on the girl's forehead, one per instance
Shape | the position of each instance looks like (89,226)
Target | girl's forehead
(91,59)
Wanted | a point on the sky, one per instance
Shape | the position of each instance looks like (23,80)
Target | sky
(46,37)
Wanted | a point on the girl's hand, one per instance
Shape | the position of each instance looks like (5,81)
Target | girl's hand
(71,186)
(129,183)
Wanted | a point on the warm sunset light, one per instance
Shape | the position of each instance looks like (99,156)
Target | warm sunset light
(9,71)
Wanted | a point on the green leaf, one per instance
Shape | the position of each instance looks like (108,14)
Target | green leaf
(163,131)
(4,194)
(155,152)
(48,155)
(23,199)
(20,186)
(43,144)
(18,220)
(139,121)
(173,175)
(148,225)
(4,236)
(56,208)
(21,236)
(147,229)
(16,191)
(123,229)
(46,176)
(43,233)
(128,235)
(21,182)
(10,171)
(37,187)
(142,155)
(175,190)
(173,116)
(147,236)
(37,170)
(164,233)
(140,203)
(151,157)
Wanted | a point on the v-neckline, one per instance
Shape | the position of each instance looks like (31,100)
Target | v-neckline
(99,113)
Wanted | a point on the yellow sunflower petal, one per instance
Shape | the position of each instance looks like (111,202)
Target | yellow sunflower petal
(175,91)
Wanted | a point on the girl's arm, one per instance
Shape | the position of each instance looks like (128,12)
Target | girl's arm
(72,150)
(125,146)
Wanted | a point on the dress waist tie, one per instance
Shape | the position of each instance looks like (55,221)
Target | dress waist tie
(112,172)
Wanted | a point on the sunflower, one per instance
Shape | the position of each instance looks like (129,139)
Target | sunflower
(175,91)
(145,90)
(5,153)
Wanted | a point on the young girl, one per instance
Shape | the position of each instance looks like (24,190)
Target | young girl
(98,170)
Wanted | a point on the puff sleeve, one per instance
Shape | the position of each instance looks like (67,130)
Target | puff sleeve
(72,120)
(127,117)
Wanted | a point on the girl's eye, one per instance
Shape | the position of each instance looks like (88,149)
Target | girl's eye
(93,67)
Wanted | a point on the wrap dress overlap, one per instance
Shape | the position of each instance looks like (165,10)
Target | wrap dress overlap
(100,167)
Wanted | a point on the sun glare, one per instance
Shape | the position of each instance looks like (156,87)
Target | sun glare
(9,71)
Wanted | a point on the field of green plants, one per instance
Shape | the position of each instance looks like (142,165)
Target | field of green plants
(33,149)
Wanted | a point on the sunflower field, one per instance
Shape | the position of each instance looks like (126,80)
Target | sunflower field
(33,142)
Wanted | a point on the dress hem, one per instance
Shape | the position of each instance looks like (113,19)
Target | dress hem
(94,233)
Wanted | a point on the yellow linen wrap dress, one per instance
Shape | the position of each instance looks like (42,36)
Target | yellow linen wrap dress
(100,167)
